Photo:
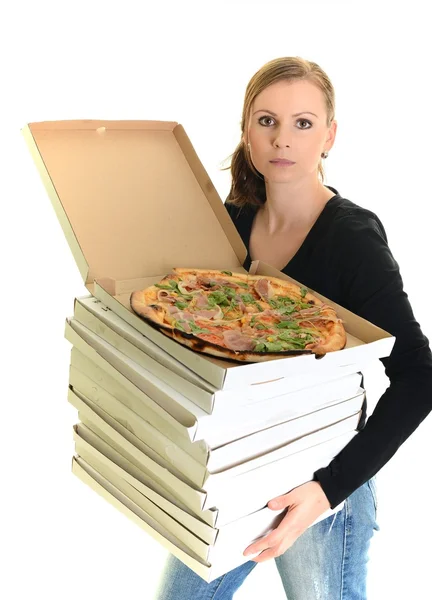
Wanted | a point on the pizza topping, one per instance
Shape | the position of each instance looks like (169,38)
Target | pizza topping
(324,318)
(234,340)
(197,329)
(216,313)
(288,325)
(206,282)
(165,296)
(163,286)
(200,300)
(181,305)
(188,287)
(308,311)
(182,325)
(248,300)
(264,289)
(172,286)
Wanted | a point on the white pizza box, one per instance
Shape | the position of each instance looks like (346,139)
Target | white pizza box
(222,561)
(227,455)
(182,464)
(86,441)
(234,492)
(92,381)
(160,210)
(184,418)
(232,538)
(96,452)
(104,323)
(92,313)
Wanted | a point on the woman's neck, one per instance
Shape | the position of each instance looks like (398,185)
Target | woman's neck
(289,209)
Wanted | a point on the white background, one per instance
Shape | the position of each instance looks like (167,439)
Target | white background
(190,63)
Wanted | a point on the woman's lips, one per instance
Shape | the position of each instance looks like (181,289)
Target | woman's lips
(282,162)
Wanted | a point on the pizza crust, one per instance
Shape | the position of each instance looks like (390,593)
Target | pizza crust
(198,345)
(143,304)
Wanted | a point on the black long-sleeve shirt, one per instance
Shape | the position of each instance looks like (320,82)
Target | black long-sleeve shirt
(346,258)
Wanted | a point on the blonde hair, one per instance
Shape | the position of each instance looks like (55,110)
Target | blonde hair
(247,185)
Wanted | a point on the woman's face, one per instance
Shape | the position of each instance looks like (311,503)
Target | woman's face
(279,127)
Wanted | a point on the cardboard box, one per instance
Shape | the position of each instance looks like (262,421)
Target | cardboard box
(183,465)
(225,557)
(145,204)
(138,516)
(104,323)
(232,538)
(87,442)
(89,446)
(227,455)
(113,368)
(236,492)
(90,311)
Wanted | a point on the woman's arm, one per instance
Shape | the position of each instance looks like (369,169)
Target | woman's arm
(371,286)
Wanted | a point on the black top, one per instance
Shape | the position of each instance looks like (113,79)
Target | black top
(346,258)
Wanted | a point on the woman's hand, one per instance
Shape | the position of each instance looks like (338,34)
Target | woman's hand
(305,504)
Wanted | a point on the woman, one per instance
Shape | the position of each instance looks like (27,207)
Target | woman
(289,219)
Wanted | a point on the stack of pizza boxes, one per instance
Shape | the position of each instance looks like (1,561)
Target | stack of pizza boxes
(189,446)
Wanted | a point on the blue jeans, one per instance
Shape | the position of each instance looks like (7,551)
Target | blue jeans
(327,562)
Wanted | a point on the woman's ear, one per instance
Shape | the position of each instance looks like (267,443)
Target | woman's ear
(331,134)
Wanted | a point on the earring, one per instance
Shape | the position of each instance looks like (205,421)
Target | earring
(249,147)
(324,154)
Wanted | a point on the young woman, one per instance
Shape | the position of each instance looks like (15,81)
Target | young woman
(289,219)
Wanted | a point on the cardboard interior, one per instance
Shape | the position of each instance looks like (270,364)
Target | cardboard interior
(132,196)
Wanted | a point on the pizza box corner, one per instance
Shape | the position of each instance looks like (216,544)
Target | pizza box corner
(128,223)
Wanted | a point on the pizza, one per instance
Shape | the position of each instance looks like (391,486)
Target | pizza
(238,316)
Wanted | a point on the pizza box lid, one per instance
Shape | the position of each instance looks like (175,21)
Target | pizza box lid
(133,198)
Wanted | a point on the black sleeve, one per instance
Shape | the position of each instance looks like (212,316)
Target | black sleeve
(371,286)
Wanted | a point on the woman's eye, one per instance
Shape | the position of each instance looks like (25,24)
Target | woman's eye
(260,120)
(304,121)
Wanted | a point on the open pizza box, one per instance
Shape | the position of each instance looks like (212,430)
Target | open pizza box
(222,546)
(134,201)
(237,491)
(92,321)
(104,372)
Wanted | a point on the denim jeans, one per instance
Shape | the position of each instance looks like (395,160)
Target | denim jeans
(327,562)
